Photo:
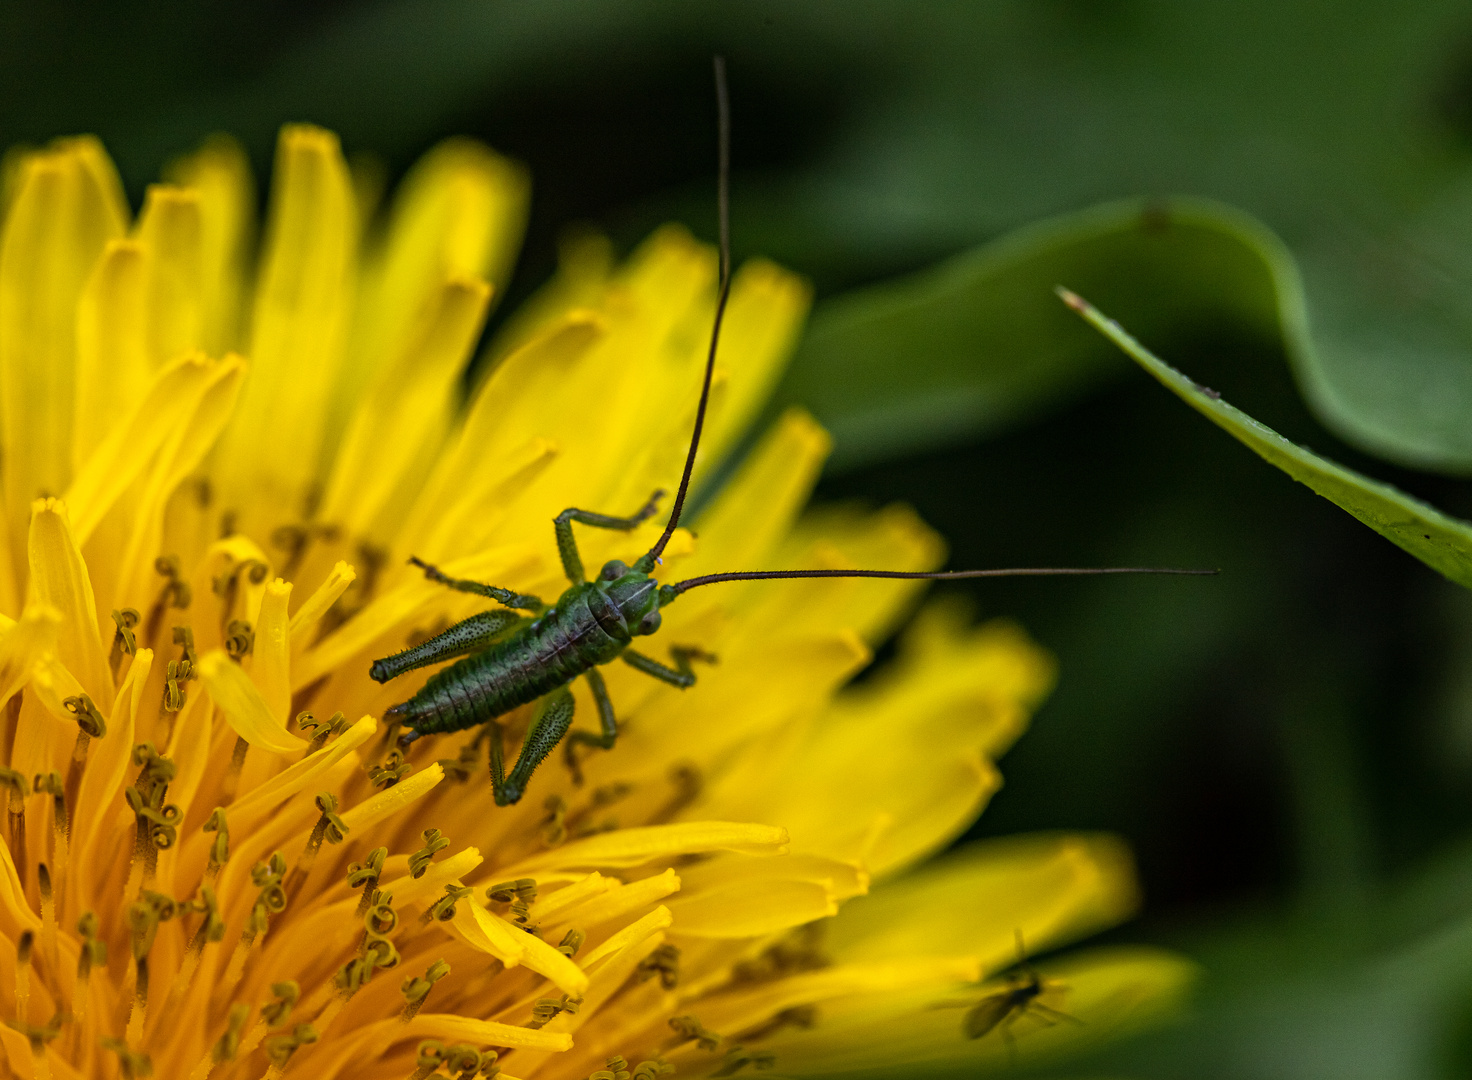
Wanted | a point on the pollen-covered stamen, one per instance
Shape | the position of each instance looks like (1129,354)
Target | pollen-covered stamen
(23,949)
(240,639)
(219,846)
(227,1046)
(280,1048)
(434,842)
(416,989)
(571,942)
(689,1027)
(329,827)
(227,587)
(144,917)
(211,930)
(92,955)
(664,962)
(365,875)
(393,769)
(652,1069)
(124,640)
(270,900)
(521,894)
(157,822)
(132,1064)
(443,909)
(49,931)
(273,1015)
(460,1060)
(547,1009)
(177,674)
(90,725)
(617,1069)
(50,784)
(321,730)
(376,951)
(18,788)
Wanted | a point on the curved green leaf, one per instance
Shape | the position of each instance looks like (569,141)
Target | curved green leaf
(978,344)
(1441,542)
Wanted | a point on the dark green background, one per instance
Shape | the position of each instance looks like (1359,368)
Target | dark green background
(1288,746)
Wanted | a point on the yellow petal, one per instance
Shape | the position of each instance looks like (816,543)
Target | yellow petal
(113,363)
(321,601)
(401,422)
(513,946)
(629,937)
(270,455)
(390,802)
(631,847)
(270,667)
(243,706)
(740,911)
(171,229)
(67,207)
(58,578)
(220,177)
(974,901)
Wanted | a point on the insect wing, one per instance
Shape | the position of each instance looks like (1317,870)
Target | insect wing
(987,1014)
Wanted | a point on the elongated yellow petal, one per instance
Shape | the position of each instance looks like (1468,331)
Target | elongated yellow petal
(171,228)
(243,707)
(219,175)
(113,362)
(629,937)
(318,604)
(631,847)
(59,578)
(67,207)
(270,667)
(401,421)
(740,911)
(271,453)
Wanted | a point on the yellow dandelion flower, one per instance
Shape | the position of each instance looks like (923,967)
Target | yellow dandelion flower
(215,863)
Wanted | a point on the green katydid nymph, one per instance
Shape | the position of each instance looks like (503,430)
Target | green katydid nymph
(526,651)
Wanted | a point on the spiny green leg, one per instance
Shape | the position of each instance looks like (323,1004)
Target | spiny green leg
(681,675)
(471,635)
(567,547)
(519,601)
(550,723)
(609,724)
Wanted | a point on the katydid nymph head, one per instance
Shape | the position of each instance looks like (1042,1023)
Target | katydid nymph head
(635,594)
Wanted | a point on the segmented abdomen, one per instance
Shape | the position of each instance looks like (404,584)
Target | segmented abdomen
(551,652)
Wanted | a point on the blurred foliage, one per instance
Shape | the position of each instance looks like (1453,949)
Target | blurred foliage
(1289,746)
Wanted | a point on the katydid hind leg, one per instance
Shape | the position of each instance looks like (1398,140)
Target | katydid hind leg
(468,636)
(549,724)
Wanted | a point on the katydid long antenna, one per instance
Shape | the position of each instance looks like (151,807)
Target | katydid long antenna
(647,563)
(723,212)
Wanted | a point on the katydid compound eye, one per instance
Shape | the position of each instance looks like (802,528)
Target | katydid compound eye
(613,570)
(650,623)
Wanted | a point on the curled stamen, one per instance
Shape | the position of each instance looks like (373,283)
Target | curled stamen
(416,988)
(270,900)
(50,784)
(443,909)
(330,827)
(664,962)
(434,843)
(394,769)
(227,1045)
(546,1009)
(523,889)
(554,825)
(18,789)
(287,994)
(144,918)
(653,1069)
(364,875)
(176,591)
(240,639)
(280,1048)
(689,1027)
(220,846)
(124,641)
(572,941)
(321,730)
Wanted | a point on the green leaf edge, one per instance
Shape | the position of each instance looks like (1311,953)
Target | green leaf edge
(1441,542)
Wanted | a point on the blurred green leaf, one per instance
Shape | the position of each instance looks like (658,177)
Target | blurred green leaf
(1441,542)
(978,344)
